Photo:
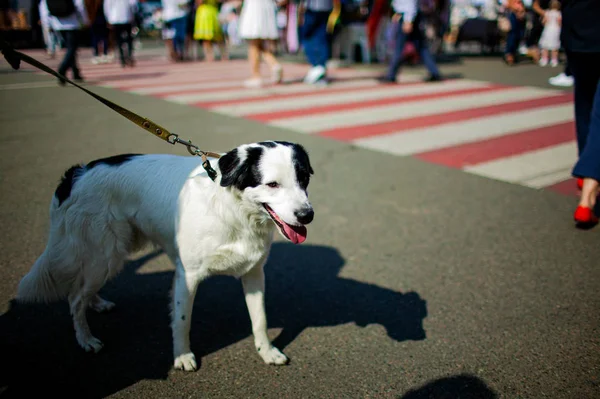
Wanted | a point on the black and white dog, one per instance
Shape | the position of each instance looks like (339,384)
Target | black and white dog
(103,211)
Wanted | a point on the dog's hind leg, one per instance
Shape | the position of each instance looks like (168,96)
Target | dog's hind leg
(84,295)
(254,291)
(79,301)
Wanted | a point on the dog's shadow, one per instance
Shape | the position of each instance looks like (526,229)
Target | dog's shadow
(303,290)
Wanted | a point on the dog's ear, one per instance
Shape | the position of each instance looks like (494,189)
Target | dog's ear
(238,173)
(229,165)
(302,157)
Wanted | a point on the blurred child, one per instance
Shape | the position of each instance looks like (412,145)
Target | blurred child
(228,17)
(550,40)
(208,29)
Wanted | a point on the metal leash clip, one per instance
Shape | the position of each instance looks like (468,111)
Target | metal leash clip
(194,150)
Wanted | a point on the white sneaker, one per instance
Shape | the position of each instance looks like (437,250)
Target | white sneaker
(561,80)
(104,59)
(554,63)
(95,60)
(314,74)
(543,62)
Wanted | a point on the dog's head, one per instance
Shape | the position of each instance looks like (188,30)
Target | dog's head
(273,177)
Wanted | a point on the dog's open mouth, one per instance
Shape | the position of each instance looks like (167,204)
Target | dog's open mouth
(296,234)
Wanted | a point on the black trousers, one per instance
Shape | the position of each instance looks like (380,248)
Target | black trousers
(122,35)
(586,71)
(71,38)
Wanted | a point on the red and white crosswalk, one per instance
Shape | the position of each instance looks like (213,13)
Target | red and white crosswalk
(521,135)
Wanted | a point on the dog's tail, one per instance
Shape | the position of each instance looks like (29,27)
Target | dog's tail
(39,284)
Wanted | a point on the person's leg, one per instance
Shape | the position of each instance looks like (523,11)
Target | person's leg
(422,48)
(69,61)
(512,40)
(398,52)
(74,65)
(207,47)
(168,36)
(223,48)
(271,60)
(323,39)
(307,37)
(585,89)
(586,70)
(554,62)
(544,58)
(95,43)
(129,41)
(118,31)
(180,26)
(105,44)
(565,78)
(533,38)
(254,49)
(312,33)
(567,71)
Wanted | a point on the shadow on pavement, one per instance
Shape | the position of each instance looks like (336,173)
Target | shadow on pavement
(39,350)
(462,386)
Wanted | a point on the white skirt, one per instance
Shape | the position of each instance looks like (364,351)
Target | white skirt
(258,20)
(550,39)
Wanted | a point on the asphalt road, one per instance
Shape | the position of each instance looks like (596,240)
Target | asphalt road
(416,281)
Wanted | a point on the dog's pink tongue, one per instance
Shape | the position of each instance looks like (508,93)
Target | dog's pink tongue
(296,234)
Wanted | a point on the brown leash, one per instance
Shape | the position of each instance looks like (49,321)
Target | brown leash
(14,58)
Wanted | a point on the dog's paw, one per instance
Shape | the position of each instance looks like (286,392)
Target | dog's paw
(272,355)
(186,362)
(90,344)
(101,305)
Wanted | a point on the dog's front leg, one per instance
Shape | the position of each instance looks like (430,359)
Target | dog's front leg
(184,291)
(254,290)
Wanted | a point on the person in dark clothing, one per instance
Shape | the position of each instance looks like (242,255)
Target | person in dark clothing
(99,30)
(581,39)
(120,15)
(516,16)
(407,19)
(539,7)
(70,28)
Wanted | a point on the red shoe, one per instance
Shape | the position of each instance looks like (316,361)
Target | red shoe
(584,215)
(580,183)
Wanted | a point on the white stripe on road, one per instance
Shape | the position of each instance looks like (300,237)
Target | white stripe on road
(455,133)
(188,87)
(264,92)
(550,178)
(388,113)
(530,166)
(381,92)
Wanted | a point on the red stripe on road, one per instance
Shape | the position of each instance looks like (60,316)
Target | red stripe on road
(567,187)
(363,131)
(269,116)
(488,150)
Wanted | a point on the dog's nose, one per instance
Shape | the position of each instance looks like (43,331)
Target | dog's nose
(305,216)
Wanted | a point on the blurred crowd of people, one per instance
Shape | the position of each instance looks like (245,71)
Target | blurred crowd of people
(390,31)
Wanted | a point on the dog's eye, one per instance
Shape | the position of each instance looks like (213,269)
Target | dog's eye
(273,184)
